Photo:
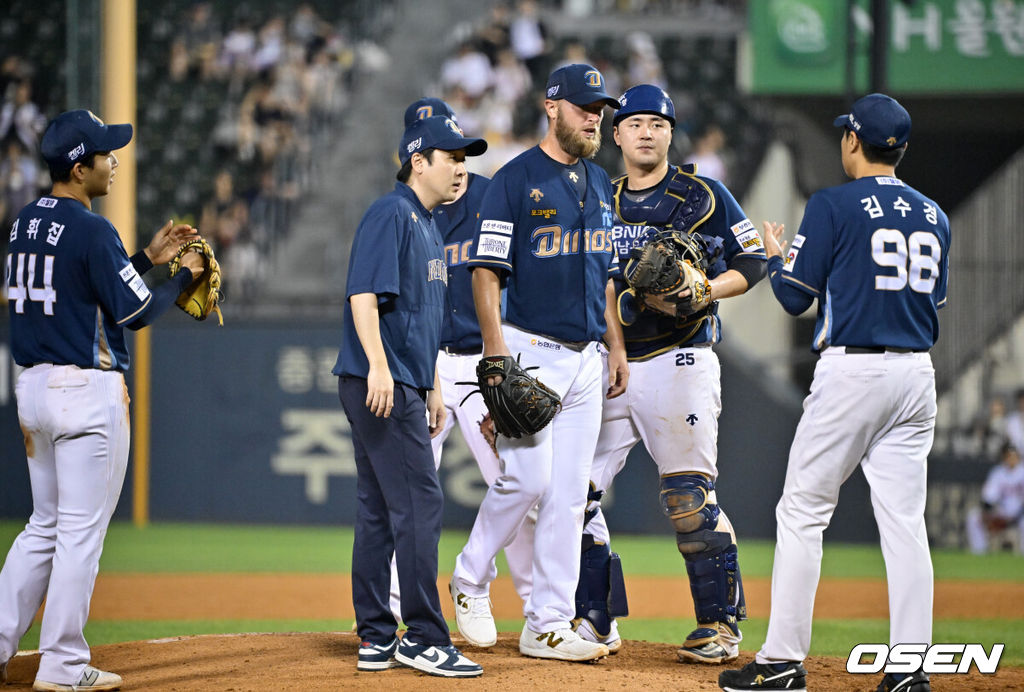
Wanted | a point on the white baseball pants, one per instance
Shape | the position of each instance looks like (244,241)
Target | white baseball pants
(76,430)
(876,411)
(550,470)
(462,368)
(663,393)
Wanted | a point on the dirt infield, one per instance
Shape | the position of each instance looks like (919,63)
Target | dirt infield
(326,660)
(326,596)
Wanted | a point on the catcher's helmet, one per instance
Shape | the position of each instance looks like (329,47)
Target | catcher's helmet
(645,98)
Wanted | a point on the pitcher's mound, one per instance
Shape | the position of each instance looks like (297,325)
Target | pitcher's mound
(327,661)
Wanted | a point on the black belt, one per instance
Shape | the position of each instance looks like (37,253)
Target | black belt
(462,351)
(878,349)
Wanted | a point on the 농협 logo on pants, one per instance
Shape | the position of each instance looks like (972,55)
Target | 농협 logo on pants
(546,344)
(937,658)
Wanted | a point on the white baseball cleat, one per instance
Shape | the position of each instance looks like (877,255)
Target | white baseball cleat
(563,645)
(473,618)
(92,680)
(585,628)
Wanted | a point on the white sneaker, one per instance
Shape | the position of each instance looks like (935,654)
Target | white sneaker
(564,645)
(473,618)
(585,628)
(93,679)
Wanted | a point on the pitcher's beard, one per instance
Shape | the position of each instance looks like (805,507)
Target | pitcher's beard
(575,144)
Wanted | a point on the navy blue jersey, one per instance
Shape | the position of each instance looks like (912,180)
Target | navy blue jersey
(555,248)
(456,222)
(729,235)
(874,252)
(71,287)
(397,254)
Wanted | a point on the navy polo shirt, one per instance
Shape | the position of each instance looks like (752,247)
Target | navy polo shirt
(397,254)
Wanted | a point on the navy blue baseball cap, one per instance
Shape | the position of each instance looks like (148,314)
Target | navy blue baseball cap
(437,132)
(878,120)
(73,135)
(578,83)
(428,107)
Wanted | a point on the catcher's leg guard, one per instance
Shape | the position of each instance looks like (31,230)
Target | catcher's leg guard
(593,504)
(711,564)
(601,591)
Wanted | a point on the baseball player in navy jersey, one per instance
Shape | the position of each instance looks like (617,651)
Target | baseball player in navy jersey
(461,347)
(544,235)
(71,291)
(874,252)
(674,395)
(396,299)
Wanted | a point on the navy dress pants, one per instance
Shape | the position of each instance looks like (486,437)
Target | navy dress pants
(399,506)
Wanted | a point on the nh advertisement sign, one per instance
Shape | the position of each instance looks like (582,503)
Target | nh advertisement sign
(935,46)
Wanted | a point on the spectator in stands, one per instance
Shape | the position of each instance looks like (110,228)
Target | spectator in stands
(1002,504)
(20,117)
(707,153)
(528,37)
(201,36)
(644,64)
(983,440)
(494,36)
(19,181)
(1015,423)
(469,69)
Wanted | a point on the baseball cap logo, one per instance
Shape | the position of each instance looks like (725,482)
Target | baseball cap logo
(552,91)
(450,124)
(593,78)
(854,123)
(76,152)
(95,117)
(424,112)
(414,145)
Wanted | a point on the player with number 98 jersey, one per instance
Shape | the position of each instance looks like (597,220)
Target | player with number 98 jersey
(874,253)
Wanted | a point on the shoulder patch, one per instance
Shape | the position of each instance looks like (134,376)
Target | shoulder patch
(492,226)
(47,202)
(888,180)
(134,281)
(494,245)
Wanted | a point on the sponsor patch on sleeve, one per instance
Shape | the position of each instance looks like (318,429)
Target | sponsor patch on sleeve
(492,226)
(135,282)
(750,241)
(744,226)
(798,240)
(493,245)
(787,265)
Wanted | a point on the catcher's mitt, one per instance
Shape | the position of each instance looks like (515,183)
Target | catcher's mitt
(520,404)
(668,263)
(203,296)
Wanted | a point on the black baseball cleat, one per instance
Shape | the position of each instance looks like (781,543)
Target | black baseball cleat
(915,682)
(759,676)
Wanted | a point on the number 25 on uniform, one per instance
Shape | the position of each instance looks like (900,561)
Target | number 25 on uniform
(684,358)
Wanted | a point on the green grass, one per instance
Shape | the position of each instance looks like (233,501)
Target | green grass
(252,548)
(174,547)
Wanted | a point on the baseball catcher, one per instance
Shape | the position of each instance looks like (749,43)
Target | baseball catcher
(203,296)
(672,266)
(518,403)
